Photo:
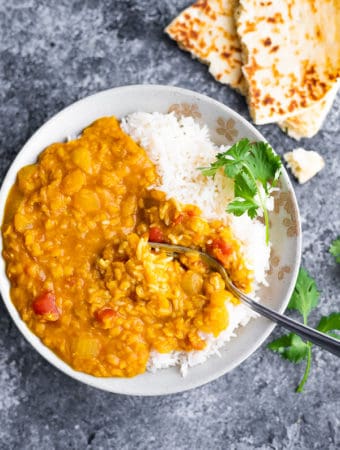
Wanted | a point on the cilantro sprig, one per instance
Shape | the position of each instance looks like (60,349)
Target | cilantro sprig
(290,346)
(334,249)
(255,169)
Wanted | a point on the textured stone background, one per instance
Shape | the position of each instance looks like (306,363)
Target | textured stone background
(56,52)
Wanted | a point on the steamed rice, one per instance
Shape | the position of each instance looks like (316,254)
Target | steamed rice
(178,147)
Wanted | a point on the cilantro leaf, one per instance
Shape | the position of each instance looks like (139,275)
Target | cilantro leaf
(209,171)
(239,206)
(231,160)
(245,186)
(245,190)
(291,347)
(234,158)
(265,164)
(334,249)
(305,296)
(249,165)
(330,323)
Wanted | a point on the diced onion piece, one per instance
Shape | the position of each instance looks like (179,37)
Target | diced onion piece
(86,347)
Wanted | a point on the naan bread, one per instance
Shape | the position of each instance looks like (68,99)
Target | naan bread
(291,51)
(207,30)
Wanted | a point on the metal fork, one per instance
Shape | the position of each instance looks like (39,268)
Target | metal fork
(316,337)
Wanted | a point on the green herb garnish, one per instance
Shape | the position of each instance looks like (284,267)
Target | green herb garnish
(290,346)
(305,296)
(334,249)
(330,323)
(255,169)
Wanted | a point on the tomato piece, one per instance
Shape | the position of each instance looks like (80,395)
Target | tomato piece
(45,306)
(220,249)
(105,317)
(222,245)
(156,234)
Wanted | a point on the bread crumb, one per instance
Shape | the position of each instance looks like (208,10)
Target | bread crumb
(304,164)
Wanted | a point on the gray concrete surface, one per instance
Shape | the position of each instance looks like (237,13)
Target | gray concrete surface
(55,52)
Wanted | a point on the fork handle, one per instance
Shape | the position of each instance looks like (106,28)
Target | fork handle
(310,334)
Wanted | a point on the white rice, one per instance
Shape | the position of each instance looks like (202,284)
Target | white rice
(178,147)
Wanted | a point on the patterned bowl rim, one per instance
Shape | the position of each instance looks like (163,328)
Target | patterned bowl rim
(8,181)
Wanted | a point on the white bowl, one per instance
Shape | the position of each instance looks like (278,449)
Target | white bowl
(225,126)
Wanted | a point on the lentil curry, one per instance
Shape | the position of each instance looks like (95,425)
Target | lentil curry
(82,275)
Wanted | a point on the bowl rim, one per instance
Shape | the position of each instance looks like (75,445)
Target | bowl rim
(37,344)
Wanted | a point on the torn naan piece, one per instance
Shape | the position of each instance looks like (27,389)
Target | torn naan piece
(307,124)
(291,54)
(207,30)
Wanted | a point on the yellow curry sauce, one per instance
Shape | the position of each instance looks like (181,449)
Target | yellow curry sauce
(82,275)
